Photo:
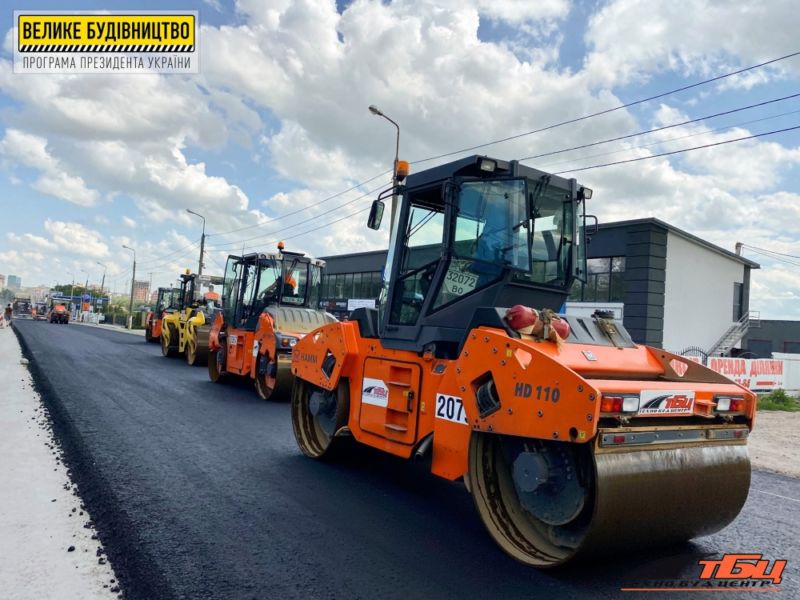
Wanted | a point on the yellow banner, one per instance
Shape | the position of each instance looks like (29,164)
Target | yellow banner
(107,33)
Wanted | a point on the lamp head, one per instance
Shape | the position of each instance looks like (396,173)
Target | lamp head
(375,110)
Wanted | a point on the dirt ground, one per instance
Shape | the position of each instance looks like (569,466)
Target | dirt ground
(775,442)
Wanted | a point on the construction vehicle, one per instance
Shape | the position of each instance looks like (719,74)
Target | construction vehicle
(166,301)
(572,443)
(22,308)
(271,301)
(39,311)
(58,313)
(185,331)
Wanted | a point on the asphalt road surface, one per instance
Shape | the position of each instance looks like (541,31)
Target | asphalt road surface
(199,491)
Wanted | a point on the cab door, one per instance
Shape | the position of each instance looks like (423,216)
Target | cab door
(389,399)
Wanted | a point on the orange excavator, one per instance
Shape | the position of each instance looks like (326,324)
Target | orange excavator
(270,302)
(571,438)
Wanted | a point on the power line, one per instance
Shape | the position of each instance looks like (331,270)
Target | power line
(216,262)
(322,214)
(610,110)
(302,233)
(517,136)
(783,260)
(289,214)
(756,248)
(662,128)
(672,139)
(631,160)
(153,260)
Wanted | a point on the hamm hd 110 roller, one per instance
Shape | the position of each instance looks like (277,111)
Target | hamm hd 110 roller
(571,438)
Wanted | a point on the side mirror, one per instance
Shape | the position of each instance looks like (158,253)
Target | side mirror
(375,215)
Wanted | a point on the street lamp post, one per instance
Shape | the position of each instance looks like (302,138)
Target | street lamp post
(85,289)
(376,111)
(202,240)
(71,291)
(133,281)
(102,283)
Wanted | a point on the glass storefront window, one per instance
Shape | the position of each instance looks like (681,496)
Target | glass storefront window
(338,286)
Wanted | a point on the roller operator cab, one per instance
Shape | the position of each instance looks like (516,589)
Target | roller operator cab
(271,301)
(185,330)
(569,446)
(166,302)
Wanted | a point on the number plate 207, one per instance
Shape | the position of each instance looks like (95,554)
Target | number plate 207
(450,408)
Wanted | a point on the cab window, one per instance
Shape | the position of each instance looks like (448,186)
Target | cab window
(424,236)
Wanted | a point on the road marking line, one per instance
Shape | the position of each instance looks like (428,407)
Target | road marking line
(778,496)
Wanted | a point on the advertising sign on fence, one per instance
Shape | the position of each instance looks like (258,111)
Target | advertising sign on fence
(754,374)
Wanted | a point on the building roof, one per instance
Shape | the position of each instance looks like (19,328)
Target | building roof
(366,253)
(684,234)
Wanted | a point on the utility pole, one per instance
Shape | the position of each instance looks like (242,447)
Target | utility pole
(133,282)
(202,241)
(102,284)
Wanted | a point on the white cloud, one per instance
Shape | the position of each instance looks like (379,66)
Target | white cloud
(28,240)
(635,39)
(76,238)
(29,150)
(128,222)
(519,11)
(127,135)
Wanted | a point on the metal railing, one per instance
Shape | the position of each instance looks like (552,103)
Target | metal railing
(735,333)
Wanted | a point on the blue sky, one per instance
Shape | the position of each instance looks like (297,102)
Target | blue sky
(276,121)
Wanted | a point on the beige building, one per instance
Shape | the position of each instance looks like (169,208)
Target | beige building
(141,291)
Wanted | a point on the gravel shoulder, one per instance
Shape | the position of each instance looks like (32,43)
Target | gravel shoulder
(49,548)
(775,442)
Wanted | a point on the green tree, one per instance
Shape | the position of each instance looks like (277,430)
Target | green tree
(67,289)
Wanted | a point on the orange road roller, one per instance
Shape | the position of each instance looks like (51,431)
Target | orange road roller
(571,438)
(271,301)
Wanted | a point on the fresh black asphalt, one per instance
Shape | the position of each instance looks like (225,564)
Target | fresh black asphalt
(198,491)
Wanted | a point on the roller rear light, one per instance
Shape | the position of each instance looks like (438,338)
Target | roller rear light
(730,404)
(619,403)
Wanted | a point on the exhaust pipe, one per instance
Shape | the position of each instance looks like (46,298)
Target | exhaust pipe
(424,447)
